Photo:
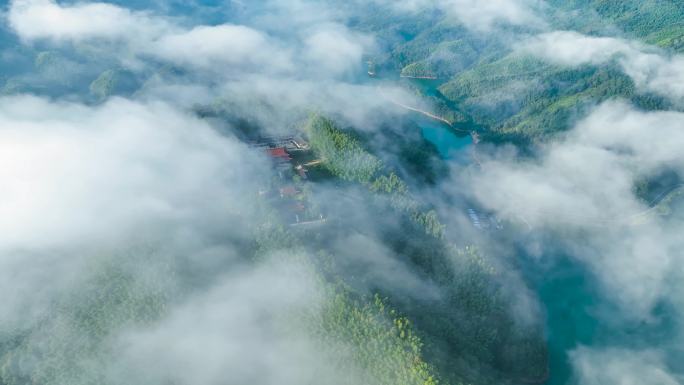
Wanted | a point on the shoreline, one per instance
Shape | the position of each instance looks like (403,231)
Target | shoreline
(419,77)
(430,115)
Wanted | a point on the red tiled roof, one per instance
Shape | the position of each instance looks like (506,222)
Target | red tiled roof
(298,206)
(278,152)
(288,190)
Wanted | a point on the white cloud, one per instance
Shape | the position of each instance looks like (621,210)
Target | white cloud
(81,183)
(651,69)
(574,49)
(364,105)
(620,367)
(221,48)
(481,16)
(484,15)
(334,50)
(252,327)
(582,187)
(74,173)
(45,19)
(318,46)
(660,74)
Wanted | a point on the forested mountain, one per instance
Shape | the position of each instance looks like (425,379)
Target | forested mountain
(512,95)
(292,192)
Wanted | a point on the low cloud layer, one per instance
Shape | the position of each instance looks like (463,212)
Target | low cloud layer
(577,180)
(223,47)
(248,329)
(586,182)
(272,68)
(146,172)
(229,49)
(651,69)
(118,165)
(580,190)
(480,16)
(46,19)
(142,195)
(81,181)
(625,367)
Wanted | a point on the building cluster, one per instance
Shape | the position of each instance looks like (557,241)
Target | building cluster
(286,190)
(482,221)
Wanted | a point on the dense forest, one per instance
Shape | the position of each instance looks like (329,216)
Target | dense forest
(512,96)
(471,320)
(466,334)
(215,213)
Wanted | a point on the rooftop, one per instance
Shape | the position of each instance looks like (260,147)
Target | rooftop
(278,152)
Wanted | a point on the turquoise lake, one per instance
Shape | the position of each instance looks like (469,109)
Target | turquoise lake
(562,286)
(576,313)
(574,308)
(448,143)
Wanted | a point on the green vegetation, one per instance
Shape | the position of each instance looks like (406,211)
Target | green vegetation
(342,154)
(420,69)
(345,158)
(362,333)
(384,344)
(104,84)
(69,344)
(513,97)
(527,98)
(469,333)
(654,21)
(113,82)
(361,336)
(459,326)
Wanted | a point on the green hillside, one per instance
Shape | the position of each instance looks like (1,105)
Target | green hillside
(515,97)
